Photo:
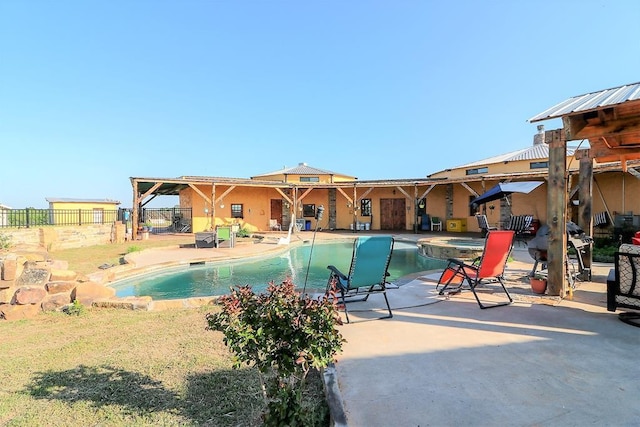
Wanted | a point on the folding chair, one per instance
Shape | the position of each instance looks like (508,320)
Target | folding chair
(483,224)
(489,267)
(520,224)
(274,225)
(367,273)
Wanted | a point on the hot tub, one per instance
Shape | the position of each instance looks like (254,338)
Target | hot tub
(451,247)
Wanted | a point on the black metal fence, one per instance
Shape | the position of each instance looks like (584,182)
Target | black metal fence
(162,220)
(167,220)
(30,217)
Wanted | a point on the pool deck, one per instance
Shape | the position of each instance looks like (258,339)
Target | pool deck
(442,361)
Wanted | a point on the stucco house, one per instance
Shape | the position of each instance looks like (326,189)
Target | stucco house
(294,193)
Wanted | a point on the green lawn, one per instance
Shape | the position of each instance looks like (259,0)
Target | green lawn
(113,367)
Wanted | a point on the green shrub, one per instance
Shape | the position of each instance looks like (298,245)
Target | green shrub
(604,253)
(75,309)
(243,232)
(284,335)
(5,241)
(133,248)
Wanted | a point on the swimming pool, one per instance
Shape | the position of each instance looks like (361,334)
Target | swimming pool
(216,278)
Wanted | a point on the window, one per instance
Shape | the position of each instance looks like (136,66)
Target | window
(237,211)
(309,179)
(365,207)
(309,210)
(477,171)
(538,165)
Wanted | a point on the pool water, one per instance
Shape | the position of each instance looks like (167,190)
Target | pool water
(218,278)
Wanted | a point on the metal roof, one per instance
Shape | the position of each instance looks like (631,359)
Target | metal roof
(535,152)
(591,101)
(301,169)
(71,200)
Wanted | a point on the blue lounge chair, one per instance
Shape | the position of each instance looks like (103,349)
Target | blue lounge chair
(367,274)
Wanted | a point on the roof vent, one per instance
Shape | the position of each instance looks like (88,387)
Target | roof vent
(302,164)
(538,138)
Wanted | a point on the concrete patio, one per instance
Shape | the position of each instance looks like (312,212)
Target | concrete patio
(442,361)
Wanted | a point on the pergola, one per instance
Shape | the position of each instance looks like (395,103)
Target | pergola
(146,189)
(610,120)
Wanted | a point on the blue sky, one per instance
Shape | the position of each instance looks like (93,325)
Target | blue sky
(95,92)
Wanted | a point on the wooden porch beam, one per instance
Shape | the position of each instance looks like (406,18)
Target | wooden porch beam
(471,190)
(427,191)
(579,128)
(284,196)
(346,196)
(227,191)
(197,190)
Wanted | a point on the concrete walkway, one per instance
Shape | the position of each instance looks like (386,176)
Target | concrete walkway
(445,362)
(442,361)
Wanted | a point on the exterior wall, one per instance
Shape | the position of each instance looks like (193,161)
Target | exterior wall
(503,167)
(619,190)
(3,217)
(256,203)
(83,205)
(62,217)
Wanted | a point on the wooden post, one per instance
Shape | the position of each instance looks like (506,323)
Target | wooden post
(135,214)
(556,212)
(585,217)
(355,209)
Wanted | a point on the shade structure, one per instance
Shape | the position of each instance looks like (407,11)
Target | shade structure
(504,189)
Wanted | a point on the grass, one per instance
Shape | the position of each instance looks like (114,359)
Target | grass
(87,259)
(113,367)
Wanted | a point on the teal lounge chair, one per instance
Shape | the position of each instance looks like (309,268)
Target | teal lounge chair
(367,274)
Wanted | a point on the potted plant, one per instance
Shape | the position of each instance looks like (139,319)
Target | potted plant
(538,282)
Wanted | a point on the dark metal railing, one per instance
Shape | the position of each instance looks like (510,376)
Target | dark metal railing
(162,220)
(31,217)
(167,220)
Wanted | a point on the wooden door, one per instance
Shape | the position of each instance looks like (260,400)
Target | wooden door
(392,214)
(386,217)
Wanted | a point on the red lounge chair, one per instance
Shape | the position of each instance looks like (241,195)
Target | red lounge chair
(489,267)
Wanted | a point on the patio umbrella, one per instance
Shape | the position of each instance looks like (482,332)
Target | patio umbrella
(503,189)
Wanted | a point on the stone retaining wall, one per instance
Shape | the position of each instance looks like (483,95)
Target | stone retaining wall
(65,237)
(30,283)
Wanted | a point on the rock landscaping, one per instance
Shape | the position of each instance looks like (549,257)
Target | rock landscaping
(30,283)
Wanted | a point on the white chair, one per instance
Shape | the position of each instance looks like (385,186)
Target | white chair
(273,224)
(436,223)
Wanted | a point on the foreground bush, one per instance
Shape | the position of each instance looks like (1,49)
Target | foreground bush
(284,335)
